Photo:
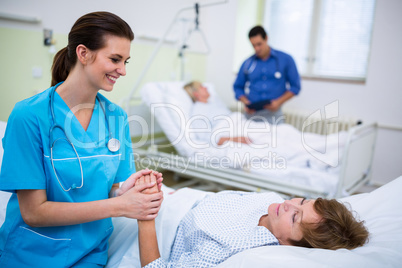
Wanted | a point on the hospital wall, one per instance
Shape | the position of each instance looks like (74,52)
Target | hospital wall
(26,61)
(378,99)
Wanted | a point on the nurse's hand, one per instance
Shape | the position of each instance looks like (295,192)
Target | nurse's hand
(147,179)
(137,204)
(130,182)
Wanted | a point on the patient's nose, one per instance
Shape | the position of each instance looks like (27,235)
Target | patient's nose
(289,204)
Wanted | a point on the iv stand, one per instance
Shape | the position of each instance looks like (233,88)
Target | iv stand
(126,101)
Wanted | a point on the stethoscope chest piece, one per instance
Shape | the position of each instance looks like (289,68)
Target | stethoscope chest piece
(277,75)
(113,145)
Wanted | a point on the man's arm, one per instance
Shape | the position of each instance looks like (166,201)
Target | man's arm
(275,104)
(240,83)
(292,76)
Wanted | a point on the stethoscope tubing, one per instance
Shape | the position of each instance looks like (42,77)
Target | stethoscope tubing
(253,65)
(113,144)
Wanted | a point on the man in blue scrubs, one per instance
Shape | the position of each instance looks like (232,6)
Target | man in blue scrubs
(271,77)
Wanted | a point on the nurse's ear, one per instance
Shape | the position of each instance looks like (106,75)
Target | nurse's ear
(83,54)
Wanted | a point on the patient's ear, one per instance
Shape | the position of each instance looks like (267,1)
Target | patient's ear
(196,95)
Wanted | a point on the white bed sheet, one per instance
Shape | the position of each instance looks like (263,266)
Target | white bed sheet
(172,106)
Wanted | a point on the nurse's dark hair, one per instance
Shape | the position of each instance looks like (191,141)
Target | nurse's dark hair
(338,228)
(257,30)
(89,30)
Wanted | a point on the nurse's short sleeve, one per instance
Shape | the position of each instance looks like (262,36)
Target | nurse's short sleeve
(22,166)
(127,163)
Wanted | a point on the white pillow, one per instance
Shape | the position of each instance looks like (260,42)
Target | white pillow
(171,106)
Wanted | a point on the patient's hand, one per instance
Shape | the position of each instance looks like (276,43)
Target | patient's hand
(245,140)
(149,178)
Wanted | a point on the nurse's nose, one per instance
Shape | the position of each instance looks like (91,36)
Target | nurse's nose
(122,70)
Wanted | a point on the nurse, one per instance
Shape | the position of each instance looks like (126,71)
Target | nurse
(65,152)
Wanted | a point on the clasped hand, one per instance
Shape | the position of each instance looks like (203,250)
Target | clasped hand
(141,195)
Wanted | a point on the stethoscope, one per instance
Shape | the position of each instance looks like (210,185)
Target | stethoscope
(253,64)
(113,144)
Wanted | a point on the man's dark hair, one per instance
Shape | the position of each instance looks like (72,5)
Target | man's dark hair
(257,30)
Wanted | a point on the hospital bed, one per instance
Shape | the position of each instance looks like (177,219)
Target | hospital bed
(170,105)
(379,209)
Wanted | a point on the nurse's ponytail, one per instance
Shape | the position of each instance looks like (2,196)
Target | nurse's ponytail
(61,66)
(89,30)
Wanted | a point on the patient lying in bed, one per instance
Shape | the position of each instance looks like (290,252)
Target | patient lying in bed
(223,224)
(215,130)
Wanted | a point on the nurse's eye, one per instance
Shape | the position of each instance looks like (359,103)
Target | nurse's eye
(126,62)
(114,60)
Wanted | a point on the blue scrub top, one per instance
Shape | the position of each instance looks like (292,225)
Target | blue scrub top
(261,76)
(27,165)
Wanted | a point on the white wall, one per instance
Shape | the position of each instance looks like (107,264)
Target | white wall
(376,100)
(379,99)
(151,17)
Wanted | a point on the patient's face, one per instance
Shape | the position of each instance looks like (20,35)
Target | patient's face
(283,220)
(202,94)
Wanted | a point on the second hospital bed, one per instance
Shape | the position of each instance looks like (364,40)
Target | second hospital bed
(171,106)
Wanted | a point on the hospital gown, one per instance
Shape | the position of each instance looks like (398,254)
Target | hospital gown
(219,226)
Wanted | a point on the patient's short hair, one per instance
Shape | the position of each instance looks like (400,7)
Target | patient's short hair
(192,87)
(337,229)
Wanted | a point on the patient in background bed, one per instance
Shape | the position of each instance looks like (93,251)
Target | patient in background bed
(211,122)
(202,106)
(223,224)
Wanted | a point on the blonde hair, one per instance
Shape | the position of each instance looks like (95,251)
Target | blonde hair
(192,87)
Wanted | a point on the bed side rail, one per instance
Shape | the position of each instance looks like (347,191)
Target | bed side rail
(357,158)
(234,178)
